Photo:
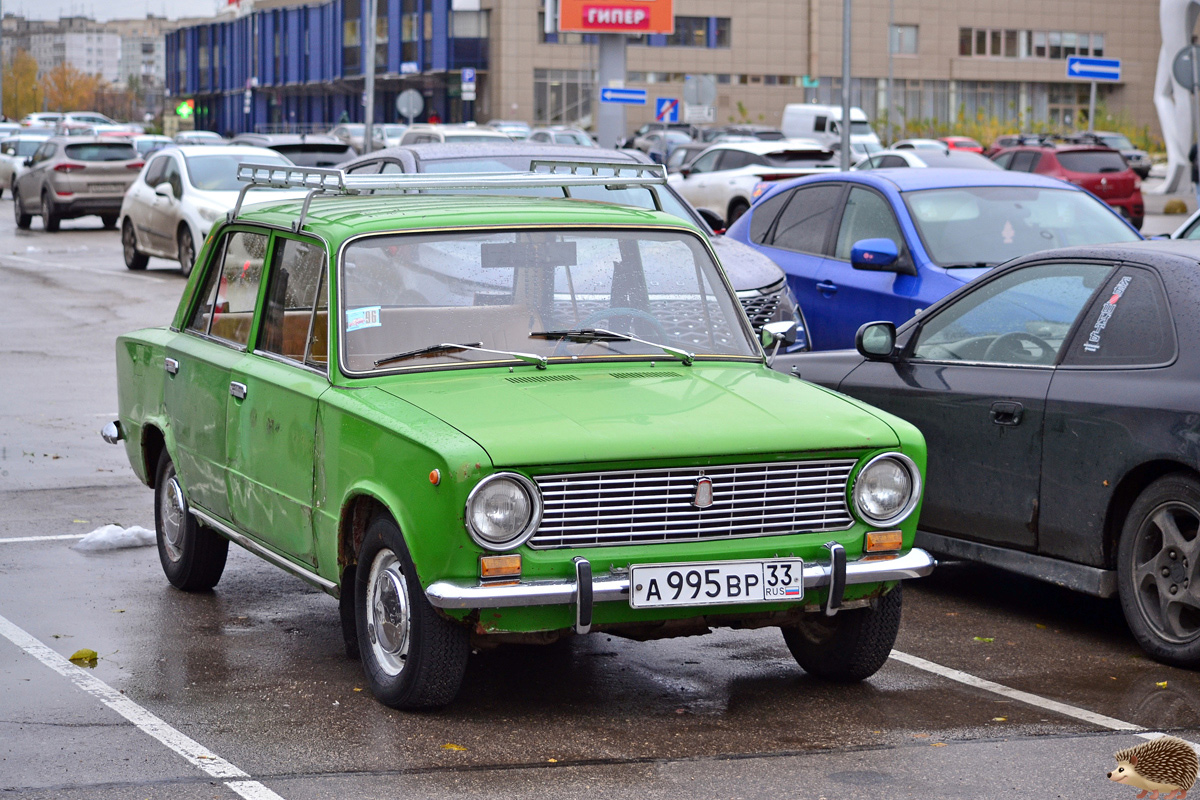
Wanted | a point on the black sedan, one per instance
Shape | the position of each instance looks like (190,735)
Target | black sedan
(1060,399)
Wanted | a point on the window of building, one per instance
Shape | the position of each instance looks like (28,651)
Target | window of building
(690,32)
(1058,45)
(965,36)
(562,96)
(904,39)
(469,24)
(352,36)
(722,33)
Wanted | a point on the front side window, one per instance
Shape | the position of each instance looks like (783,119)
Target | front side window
(499,289)
(154,175)
(706,162)
(867,216)
(1020,318)
(295,288)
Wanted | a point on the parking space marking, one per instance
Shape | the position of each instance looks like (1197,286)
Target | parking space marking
(192,751)
(16,539)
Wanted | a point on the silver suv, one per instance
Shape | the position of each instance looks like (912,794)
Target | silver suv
(75,176)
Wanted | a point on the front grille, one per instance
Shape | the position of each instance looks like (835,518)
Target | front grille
(652,506)
(761,307)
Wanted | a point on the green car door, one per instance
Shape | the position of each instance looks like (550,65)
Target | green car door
(272,415)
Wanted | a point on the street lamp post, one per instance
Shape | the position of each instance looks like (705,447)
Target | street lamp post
(845,159)
(368,40)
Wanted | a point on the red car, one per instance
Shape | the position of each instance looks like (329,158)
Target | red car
(1100,170)
(962,143)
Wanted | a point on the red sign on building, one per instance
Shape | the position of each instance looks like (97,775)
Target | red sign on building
(617,16)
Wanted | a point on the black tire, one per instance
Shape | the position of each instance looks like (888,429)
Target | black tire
(23,220)
(187,250)
(736,209)
(1162,533)
(133,258)
(417,658)
(850,646)
(1137,222)
(192,555)
(50,219)
(109,220)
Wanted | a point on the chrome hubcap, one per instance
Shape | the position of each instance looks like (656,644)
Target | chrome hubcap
(1166,554)
(172,514)
(185,250)
(388,613)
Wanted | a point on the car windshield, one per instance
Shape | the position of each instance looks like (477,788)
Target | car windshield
(1118,142)
(987,225)
(403,293)
(218,172)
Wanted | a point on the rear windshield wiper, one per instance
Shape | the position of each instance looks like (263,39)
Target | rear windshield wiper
(528,358)
(603,335)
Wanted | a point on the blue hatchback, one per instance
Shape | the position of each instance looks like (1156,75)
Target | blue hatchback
(884,244)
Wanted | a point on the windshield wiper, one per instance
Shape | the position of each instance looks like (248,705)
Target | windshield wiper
(528,358)
(603,335)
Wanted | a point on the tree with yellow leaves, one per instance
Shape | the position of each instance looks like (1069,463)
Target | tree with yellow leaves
(68,89)
(22,92)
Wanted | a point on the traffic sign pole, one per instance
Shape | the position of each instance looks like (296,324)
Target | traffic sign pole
(1092,109)
(1196,98)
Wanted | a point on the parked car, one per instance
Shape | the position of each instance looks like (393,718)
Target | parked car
(561,135)
(962,143)
(1100,170)
(882,245)
(41,119)
(688,129)
(920,144)
(14,151)
(200,137)
(764,133)
(486,368)
(659,144)
(925,157)
(684,153)
(75,177)
(455,134)
(352,133)
(1057,398)
(149,143)
(1018,140)
(304,149)
(759,284)
(512,128)
(820,122)
(178,196)
(723,177)
(9,129)
(1190,229)
(1137,159)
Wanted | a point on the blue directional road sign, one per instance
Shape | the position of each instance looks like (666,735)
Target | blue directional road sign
(632,97)
(666,109)
(1094,69)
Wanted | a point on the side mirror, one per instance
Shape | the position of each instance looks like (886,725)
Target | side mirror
(879,255)
(876,341)
(778,334)
(714,220)
(28,162)
(164,190)
(684,171)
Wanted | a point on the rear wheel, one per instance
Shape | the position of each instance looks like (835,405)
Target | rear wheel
(187,251)
(412,656)
(133,259)
(849,646)
(23,219)
(109,220)
(736,209)
(1137,222)
(192,555)
(49,216)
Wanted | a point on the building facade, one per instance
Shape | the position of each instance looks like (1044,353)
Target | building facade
(284,65)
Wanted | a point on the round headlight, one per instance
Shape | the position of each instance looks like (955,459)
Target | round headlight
(887,489)
(503,511)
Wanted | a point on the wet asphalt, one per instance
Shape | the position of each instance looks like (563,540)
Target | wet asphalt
(255,671)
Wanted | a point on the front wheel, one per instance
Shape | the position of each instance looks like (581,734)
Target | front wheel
(133,259)
(187,251)
(50,218)
(23,219)
(192,555)
(850,646)
(1157,561)
(413,658)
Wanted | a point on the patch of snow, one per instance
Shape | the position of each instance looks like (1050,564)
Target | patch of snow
(114,537)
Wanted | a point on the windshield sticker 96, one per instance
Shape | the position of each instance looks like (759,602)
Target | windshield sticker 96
(1106,311)
(359,318)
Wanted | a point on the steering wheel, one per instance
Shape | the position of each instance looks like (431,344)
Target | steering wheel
(1007,345)
(604,313)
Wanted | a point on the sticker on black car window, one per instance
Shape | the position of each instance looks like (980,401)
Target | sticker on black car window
(1106,311)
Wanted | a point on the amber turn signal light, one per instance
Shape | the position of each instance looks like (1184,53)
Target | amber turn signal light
(883,541)
(497,567)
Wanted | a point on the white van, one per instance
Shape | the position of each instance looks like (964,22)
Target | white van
(812,121)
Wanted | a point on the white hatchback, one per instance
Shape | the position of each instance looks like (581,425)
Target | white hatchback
(178,196)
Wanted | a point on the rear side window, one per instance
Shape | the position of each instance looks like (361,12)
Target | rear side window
(102,151)
(764,215)
(1092,161)
(289,327)
(1025,161)
(1129,324)
(1004,160)
(805,222)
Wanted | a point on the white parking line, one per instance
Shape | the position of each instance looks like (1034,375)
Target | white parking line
(192,751)
(17,539)
(1081,714)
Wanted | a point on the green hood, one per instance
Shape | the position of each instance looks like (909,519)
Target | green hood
(633,412)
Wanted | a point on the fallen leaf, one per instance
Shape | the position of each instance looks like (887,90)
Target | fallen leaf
(1112,677)
(1041,626)
(118,611)
(920,735)
(999,719)
(552,760)
(88,658)
(452,746)
(937,744)
(357,689)
(80,521)
(985,639)
(951,613)
(1162,685)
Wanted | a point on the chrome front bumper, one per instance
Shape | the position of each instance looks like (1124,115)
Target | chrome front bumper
(609,587)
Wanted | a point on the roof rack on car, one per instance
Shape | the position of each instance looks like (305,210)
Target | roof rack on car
(542,173)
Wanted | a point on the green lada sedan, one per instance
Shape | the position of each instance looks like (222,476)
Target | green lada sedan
(480,419)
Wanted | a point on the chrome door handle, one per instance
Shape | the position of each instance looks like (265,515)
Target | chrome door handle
(171,366)
(238,390)
(828,287)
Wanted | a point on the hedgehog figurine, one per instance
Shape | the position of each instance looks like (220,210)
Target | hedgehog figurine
(1165,766)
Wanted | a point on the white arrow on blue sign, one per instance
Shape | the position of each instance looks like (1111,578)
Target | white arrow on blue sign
(633,97)
(1094,69)
(666,109)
